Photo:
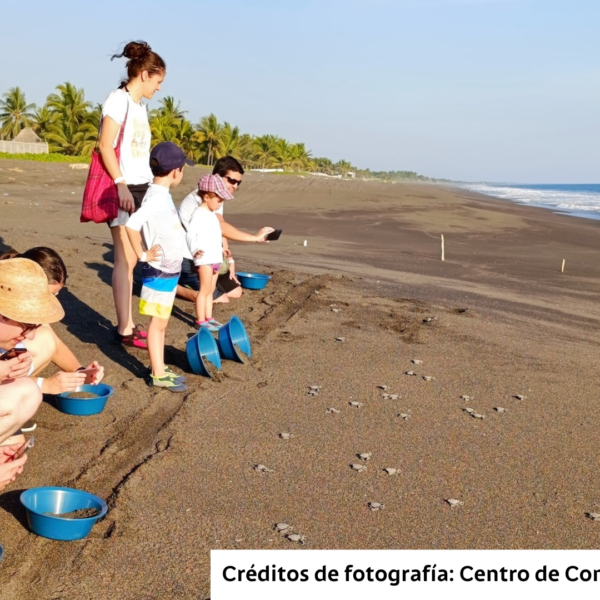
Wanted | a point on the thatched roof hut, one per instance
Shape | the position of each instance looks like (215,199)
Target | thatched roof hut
(27,136)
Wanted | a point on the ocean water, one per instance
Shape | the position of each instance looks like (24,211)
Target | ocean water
(581,200)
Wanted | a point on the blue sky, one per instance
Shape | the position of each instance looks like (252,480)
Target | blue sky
(493,90)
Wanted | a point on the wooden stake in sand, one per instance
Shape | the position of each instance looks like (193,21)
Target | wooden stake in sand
(443,255)
(562,269)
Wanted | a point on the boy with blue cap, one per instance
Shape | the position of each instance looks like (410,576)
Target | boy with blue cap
(157,222)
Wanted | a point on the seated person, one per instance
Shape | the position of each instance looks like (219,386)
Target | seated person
(24,301)
(231,171)
(47,347)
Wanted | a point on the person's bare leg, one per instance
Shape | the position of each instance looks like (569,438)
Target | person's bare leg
(205,293)
(186,293)
(222,299)
(156,345)
(19,401)
(236,293)
(209,297)
(122,279)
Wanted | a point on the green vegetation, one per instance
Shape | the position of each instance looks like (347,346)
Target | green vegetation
(52,157)
(70,123)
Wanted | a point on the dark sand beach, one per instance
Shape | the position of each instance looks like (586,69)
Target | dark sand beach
(177,470)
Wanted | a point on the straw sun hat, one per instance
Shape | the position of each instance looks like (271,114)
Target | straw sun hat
(24,294)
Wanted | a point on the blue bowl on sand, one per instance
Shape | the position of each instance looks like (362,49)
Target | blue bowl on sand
(253,281)
(200,349)
(83,407)
(59,500)
(232,339)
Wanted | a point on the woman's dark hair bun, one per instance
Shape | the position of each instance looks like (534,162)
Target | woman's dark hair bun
(134,51)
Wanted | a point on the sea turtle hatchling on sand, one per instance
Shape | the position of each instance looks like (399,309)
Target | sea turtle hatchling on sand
(356,404)
(478,416)
(394,396)
(340,339)
(331,411)
(593,516)
(365,455)
(520,397)
(410,373)
(335,310)
(466,398)
(469,410)
(296,537)
(263,469)
(358,467)
(283,528)
(428,378)
(286,436)
(374,506)
(416,361)
(454,502)
(391,471)
(383,387)
(404,416)
(500,409)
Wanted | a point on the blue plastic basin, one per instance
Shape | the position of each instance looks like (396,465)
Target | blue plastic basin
(38,501)
(253,281)
(201,348)
(83,407)
(233,337)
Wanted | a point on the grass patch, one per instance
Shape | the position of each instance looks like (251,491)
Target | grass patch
(48,158)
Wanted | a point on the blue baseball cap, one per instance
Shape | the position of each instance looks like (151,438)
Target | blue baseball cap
(167,156)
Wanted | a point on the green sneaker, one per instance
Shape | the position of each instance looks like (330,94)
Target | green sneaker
(168,383)
(173,375)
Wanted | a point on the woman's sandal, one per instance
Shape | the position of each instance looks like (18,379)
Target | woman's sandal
(132,340)
(141,333)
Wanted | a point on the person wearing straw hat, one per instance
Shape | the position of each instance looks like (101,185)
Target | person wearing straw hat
(25,303)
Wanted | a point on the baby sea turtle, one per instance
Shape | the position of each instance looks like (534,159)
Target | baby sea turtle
(283,527)
(332,410)
(365,455)
(478,416)
(385,396)
(428,378)
(404,416)
(500,409)
(376,506)
(314,388)
(340,339)
(391,471)
(454,502)
(466,398)
(286,436)
(416,361)
(316,292)
(355,404)
(358,467)
(313,393)
(593,516)
(428,319)
(410,373)
(469,410)
(335,310)
(263,469)
(383,387)
(394,396)
(296,537)
(520,397)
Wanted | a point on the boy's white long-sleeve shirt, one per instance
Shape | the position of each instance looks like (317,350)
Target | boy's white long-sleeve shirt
(204,233)
(159,223)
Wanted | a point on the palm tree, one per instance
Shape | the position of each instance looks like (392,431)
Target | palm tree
(162,128)
(299,157)
(342,167)
(265,150)
(42,119)
(70,104)
(209,131)
(183,135)
(229,140)
(169,107)
(74,140)
(15,113)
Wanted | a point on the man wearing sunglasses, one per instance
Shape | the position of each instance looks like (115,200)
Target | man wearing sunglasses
(231,171)
(25,301)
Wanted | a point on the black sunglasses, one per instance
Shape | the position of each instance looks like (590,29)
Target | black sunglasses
(233,181)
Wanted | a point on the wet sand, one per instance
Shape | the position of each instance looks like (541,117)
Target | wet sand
(178,470)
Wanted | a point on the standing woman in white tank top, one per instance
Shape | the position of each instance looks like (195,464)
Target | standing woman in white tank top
(124,108)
